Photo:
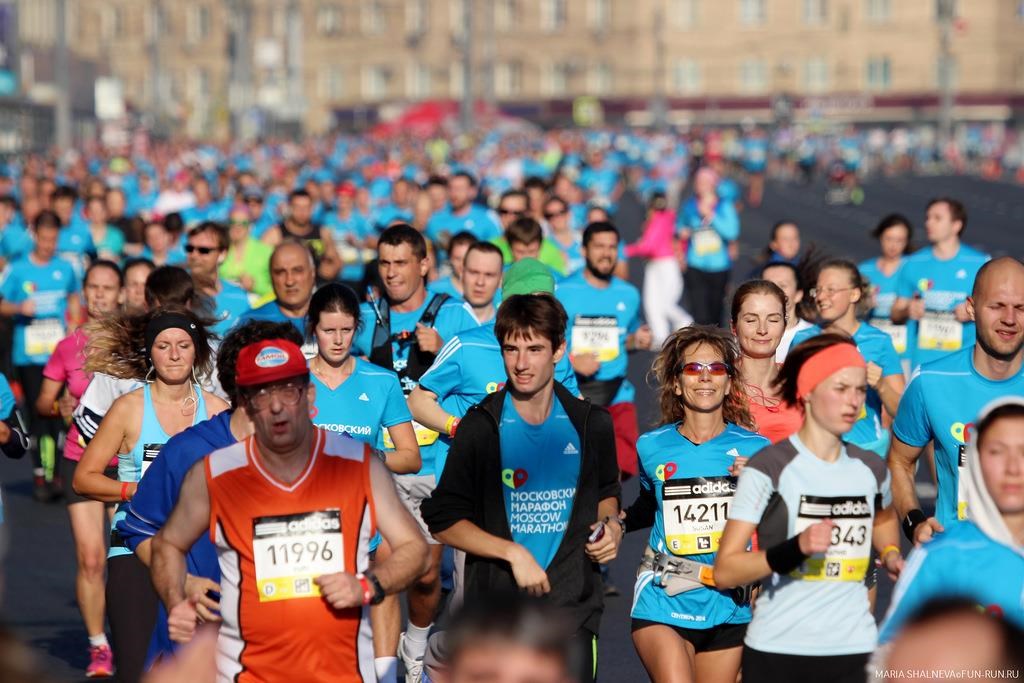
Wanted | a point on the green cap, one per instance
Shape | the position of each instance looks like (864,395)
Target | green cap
(528,276)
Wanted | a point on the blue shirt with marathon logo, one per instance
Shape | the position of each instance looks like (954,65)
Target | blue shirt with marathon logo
(47,285)
(540,465)
(877,348)
(600,319)
(693,488)
(941,402)
(365,404)
(943,285)
(884,289)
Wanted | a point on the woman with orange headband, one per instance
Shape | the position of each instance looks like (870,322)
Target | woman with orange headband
(818,505)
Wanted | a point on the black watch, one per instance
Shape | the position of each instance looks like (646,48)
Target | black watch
(913,519)
(378,590)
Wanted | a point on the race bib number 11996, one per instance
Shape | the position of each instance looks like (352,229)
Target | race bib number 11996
(289,551)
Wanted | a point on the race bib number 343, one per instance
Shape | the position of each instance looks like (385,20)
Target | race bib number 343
(695,511)
(289,551)
(850,548)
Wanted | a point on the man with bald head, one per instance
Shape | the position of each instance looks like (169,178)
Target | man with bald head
(292,274)
(945,395)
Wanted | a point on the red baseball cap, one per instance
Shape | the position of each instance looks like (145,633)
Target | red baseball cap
(270,360)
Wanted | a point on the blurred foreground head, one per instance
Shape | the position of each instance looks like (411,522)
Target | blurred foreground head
(510,639)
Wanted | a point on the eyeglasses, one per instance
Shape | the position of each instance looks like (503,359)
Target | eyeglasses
(828,292)
(555,214)
(289,394)
(715,369)
(240,221)
(205,251)
(510,212)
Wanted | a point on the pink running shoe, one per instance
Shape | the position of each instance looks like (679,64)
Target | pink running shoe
(101,662)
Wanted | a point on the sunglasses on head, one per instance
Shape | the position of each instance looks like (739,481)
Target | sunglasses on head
(715,369)
(189,248)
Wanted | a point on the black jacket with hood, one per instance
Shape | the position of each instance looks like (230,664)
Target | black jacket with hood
(471,489)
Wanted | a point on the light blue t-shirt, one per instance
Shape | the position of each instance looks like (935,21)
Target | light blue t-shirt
(689,522)
(708,246)
(365,404)
(941,403)
(6,398)
(74,244)
(359,228)
(821,608)
(48,286)
(943,285)
(540,465)
(231,303)
(388,214)
(961,562)
(876,347)
(476,220)
(466,370)
(755,154)
(444,285)
(884,288)
(272,311)
(593,313)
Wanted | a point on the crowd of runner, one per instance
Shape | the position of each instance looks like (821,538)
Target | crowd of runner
(279,388)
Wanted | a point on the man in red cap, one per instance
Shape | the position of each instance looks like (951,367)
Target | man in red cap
(291,511)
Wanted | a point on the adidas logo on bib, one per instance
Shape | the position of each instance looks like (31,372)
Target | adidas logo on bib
(364,397)
(570,450)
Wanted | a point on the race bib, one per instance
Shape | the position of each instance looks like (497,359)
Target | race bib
(289,551)
(596,334)
(706,242)
(41,336)
(961,484)
(940,332)
(897,333)
(149,453)
(694,511)
(348,253)
(849,554)
(424,436)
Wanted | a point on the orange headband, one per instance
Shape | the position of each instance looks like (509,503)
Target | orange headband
(821,365)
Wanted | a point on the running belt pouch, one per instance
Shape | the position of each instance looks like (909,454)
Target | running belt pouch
(601,392)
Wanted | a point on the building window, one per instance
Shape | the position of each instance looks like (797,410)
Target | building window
(686,77)
(198,84)
(418,81)
(415,16)
(506,15)
(752,12)
(879,11)
(455,81)
(197,23)
(371,17)
(753,76)
(552,15)
(554,79)
(682,14)
(508,79)
(952,6)
(456,16)
(331,83)
(815,75)
(879,74)
(376,82)
(599,79)
(111,22)
(279,21)
(599,14)
(328,20)
(815,12)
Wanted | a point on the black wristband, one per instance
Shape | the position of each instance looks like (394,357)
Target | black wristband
(786,556)
(378,590)
(913,520)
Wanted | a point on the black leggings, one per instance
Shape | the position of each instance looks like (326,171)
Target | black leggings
(585,653)
(131,611)
(31,379)
(706,293)
(769,667)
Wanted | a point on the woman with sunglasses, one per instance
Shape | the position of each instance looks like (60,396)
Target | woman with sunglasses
(248,260)
(759,323)
(818,505)
(839,290)
(169,349)
(684,628)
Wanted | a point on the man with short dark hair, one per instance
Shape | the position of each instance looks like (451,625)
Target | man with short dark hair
(523,236)
(452,284)
(205,251)
(461,213)
(298,225)
(533,441)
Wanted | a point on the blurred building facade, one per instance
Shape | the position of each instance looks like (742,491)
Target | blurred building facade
(208,67)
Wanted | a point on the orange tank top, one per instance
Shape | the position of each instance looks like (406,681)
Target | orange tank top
(777,420)
(272,540)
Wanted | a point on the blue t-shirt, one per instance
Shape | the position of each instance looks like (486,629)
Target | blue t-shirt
(15,240)
(884,287)
(272,311)
(365,404)
(356,225)
(388,214)
(943,285)
(689,523)
(194,215)
(443,285)
(466,370)
(48,286)
(476,220)
(821,608)
(600,319)
(876,347)
(6,398)
(540,465)
(74,245)
(941,403)
(755,154)
(708,246)
(961,562)
(231,303)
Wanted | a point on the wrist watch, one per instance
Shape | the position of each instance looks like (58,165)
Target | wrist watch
(914,519)
(378,590)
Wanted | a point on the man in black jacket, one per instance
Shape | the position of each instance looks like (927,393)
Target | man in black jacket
(531,477)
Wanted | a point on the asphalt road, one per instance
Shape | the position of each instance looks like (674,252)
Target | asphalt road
(38,601)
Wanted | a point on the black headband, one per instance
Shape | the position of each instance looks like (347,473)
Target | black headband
(167,321)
